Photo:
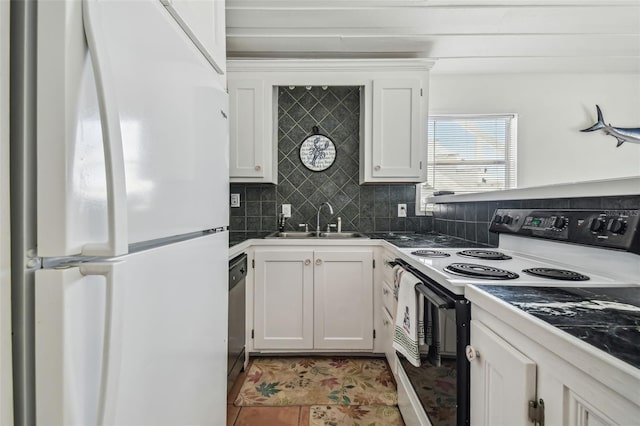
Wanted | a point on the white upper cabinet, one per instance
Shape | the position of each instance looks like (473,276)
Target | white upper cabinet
(251,123)
(204,23)
(393,114)
(398,141)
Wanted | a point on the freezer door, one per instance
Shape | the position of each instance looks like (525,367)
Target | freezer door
(140,340)
(132,130)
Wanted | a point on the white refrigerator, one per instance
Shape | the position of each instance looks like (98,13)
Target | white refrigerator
(124,298)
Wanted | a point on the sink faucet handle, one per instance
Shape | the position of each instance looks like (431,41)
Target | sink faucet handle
(305,226)
(331,225)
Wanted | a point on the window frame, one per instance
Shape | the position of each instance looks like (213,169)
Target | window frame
(509,160)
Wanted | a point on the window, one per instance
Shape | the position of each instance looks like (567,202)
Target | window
(469,153)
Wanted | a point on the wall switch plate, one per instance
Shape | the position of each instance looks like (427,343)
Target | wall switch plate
(286,210)
(402,210)
(235,200)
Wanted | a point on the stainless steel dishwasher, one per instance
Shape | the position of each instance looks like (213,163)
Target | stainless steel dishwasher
(235,353)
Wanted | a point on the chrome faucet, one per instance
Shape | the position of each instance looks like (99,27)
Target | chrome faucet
(318,216)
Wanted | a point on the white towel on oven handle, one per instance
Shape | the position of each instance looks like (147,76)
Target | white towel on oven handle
(409,324)
(397,274)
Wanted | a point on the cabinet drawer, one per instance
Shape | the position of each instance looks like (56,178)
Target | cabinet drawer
(388,301)
(387,270)
(388,328)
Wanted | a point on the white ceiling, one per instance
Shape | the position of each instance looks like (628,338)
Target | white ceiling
(467,36)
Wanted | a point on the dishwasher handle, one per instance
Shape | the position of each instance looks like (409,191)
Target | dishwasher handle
(237,270)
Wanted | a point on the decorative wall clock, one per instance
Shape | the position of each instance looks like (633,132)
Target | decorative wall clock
(317,152)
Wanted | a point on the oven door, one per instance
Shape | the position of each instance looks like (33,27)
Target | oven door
(441,383)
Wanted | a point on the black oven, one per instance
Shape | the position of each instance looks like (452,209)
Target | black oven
(441,383)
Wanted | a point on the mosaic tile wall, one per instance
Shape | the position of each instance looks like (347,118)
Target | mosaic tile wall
(366,208)
(470,221)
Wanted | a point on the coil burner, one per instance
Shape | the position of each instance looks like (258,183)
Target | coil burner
(430,253)
(556,274)
(484,254)
(480,271)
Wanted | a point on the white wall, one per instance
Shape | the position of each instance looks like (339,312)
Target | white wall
(6,399)
(551,109)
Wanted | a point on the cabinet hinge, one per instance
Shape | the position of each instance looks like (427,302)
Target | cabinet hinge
(536,412)
(374,263)
(374,334)
(252,333)
(253,263)
(421,92)
(421,165)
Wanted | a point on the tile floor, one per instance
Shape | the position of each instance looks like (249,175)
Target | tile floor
(263,416)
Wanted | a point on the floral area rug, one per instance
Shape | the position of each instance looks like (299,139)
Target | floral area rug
(318,381)
(355,415)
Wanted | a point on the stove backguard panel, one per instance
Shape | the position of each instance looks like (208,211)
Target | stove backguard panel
(471,220)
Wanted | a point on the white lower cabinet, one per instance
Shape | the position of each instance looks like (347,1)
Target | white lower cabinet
(313,299)
(343,299)
(502,380)
(510,369)
(283,299)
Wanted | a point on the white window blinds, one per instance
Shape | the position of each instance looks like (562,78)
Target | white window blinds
(470,154)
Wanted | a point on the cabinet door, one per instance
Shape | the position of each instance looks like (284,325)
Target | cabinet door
(204,23)
(397,139)
(249,132)
(343,299)
(503,380)
(283,301)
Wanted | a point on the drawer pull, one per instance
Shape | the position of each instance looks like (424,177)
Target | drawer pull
(307,262)
(318,261)
(385,291)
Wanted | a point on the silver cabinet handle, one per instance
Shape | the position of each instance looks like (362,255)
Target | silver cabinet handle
(318,261)
(385,291)
(257,168)
(307,262)
(376,168)
(385,321)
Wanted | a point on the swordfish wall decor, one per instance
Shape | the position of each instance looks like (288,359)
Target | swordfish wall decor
(621,134)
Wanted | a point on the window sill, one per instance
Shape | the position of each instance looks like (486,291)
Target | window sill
(596,188)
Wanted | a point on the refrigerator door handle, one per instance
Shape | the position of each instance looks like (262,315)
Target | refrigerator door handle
(117,243)
(112,348)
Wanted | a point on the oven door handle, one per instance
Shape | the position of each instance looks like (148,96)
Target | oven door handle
(433,298)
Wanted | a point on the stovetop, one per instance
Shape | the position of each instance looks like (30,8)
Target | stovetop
(437,268)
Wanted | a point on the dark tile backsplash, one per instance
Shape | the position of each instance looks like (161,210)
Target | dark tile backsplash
(366,208)
(471,220)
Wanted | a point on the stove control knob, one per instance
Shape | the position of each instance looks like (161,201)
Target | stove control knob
(497,219)
(617,226)
(559,223)
(507,220)
(597,224)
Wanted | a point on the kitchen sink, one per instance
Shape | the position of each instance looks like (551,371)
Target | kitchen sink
(327,235)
